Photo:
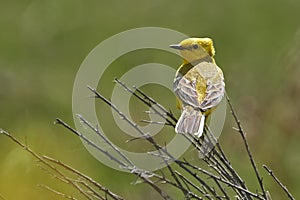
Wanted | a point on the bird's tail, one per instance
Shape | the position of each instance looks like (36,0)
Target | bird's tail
(191,121)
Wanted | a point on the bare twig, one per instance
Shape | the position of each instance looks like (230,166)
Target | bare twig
(158,123)
(224,181)
(91,191)
(149,102)
(121,163)
(103,137)
(190,183)
(279,182)
(57,192)
(243,135)
(93,182)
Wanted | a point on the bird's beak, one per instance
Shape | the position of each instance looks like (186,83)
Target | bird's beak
(176,46)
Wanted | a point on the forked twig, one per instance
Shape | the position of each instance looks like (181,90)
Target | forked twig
(78,173)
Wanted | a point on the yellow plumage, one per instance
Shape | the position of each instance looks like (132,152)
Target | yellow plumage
(198,84)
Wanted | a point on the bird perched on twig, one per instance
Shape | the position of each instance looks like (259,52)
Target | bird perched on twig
(198,84)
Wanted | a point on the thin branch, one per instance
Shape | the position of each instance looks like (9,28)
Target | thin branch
(57,192)
(91,190)
(93,182)
(223,181)
(149,103)
(279,182)
(242,133)
(169,114)
(158,123)
(121,163)
(104,138)
(222,189)
(190,183)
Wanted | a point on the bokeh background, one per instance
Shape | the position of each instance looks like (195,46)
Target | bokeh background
(42,44)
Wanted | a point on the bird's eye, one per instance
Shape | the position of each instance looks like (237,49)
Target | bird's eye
(195,46)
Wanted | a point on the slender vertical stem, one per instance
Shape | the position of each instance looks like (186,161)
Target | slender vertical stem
(243,135)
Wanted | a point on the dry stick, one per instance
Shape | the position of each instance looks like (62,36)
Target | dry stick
(222,189)
(136,171)
(153,122)
(175,178)
(93,182)
(242,133)
(279,182)
(212,162)
(104,138)
(89,142)
(151,140)
(190,183)
(163,179)
(215,165)
(169,114)
(57,192)
(147,103)
(155,187)
(235,177)
(26,148)
(224,181)
(52,174)
(91,190)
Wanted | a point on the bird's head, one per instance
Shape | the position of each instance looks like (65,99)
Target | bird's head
(193,49)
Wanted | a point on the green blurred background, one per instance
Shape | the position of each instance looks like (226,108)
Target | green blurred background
(42,44)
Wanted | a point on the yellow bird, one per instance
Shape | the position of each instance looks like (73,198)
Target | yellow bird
(198,84)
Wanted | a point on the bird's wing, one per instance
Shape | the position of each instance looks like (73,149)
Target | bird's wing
(185,90)
(202,87)
(214,94)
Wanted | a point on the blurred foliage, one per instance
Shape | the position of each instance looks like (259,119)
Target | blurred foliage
(42,44)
